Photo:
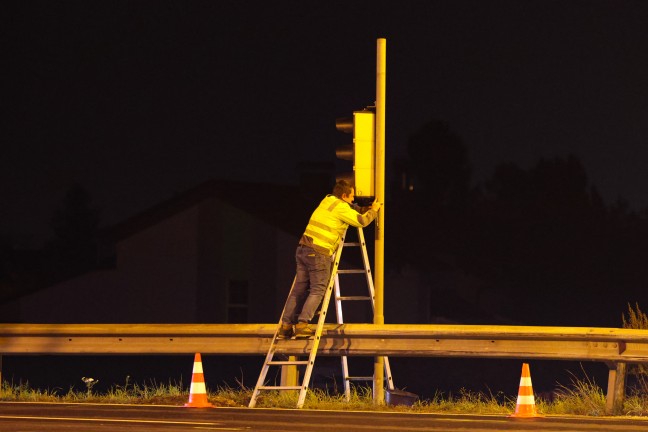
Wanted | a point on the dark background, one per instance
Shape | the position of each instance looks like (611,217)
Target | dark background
(521,126)
(138,100)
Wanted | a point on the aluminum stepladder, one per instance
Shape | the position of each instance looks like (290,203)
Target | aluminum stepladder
(339,299)
(310,363)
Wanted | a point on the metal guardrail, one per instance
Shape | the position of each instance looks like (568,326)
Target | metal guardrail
(616,347)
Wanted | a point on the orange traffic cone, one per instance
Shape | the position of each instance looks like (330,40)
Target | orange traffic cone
(525,407)
(198,391)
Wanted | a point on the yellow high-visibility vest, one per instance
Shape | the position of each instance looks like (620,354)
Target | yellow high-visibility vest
(329,222)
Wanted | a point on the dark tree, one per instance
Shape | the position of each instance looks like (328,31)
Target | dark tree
(536,246)
(432,186)
(75,225)
(547,241)
(439,166)
(6,279)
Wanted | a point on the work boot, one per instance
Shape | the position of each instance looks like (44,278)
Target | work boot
(286,331)
(303,331)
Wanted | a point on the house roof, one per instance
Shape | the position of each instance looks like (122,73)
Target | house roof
(282,206)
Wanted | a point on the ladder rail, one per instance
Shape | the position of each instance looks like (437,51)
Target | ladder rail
(340,320)
(269,356)
(372,295)
(320,325)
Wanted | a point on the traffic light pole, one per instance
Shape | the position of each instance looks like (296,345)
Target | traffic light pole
(379,262)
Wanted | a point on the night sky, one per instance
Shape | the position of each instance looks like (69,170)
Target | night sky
(140,100)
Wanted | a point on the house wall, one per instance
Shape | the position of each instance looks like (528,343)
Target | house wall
(244,248)
(406,300)
(158,272)
(85,299)
(284,262)
(176,271)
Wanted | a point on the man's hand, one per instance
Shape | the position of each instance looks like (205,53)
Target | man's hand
(375,206)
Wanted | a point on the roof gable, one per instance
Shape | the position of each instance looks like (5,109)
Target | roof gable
(279,205)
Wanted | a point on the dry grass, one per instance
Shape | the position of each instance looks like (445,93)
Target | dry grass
(637,401)
(584,397)
(581,397)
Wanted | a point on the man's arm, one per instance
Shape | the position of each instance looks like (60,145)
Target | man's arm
(357,219)
(364,209)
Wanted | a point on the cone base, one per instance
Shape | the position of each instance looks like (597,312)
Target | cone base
(199,405)
(524,416)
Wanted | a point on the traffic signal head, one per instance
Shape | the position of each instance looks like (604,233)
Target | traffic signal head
(361,151)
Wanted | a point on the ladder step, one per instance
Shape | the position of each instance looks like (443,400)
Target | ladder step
(353,244)
(288,362)
(280,388)
(352,271)
(354,298)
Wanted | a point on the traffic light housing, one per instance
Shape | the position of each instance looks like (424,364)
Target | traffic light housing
(362,151)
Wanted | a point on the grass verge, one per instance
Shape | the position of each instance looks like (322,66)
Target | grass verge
(582,397)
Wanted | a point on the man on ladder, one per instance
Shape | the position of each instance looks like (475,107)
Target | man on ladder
(324,231)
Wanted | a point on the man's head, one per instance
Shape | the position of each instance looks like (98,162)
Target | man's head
(344,190)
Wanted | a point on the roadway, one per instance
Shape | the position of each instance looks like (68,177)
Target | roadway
(59,417)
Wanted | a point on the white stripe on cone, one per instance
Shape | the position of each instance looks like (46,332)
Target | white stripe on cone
(525,382)
(198,388)
(525,400)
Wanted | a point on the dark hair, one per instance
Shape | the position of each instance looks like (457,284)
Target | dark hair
(342,187)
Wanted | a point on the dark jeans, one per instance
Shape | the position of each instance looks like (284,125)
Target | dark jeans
(311,281)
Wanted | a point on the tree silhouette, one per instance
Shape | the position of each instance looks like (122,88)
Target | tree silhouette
(545,238)
(75,224)
(540,239)
(6,280)
(439,163)
(437,194)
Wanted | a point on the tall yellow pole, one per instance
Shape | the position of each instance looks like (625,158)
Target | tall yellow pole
(379,262)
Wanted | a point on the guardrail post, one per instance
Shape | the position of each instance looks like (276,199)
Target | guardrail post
(289,373)
(616,388)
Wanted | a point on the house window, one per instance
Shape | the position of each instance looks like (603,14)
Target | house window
(237,302)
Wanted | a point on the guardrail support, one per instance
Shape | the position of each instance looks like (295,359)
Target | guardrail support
(289,373)
(617,377)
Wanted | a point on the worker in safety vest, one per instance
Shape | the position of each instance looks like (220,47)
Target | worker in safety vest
(327,225)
